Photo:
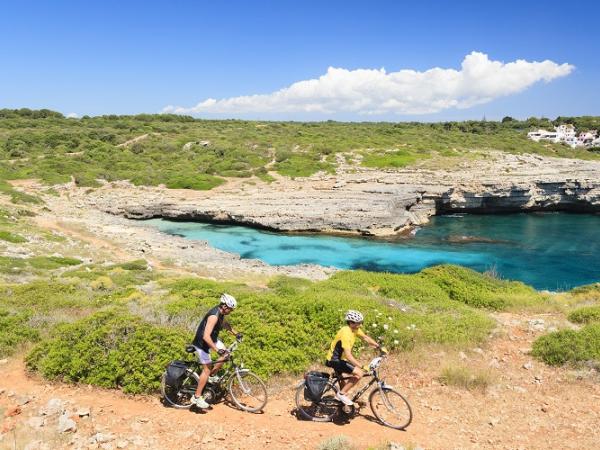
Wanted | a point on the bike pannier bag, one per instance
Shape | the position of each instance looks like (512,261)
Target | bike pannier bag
(175,373)
(314,385)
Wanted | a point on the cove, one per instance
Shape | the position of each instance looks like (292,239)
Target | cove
(554,251)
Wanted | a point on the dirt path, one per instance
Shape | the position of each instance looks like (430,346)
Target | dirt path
(527,406)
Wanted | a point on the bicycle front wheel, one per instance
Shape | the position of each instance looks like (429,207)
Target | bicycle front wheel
(322,411)
(247,391)
(179,397)
(390,408)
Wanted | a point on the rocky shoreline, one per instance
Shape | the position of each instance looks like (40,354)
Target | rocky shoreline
(369,202)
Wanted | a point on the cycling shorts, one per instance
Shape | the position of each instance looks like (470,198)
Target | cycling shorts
(204,357)
(340,366)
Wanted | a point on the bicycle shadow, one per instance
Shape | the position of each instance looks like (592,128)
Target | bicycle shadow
(339,419)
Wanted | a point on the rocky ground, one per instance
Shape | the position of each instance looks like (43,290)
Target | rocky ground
(526,405)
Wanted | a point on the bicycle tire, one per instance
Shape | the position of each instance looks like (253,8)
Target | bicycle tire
(179,397)
(324,410)
(247,386)
(395,404)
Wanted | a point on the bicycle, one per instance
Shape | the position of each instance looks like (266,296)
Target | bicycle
(383,400)
(246,390)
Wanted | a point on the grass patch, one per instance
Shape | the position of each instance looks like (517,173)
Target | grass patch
(52,262)
(569,346)
(466,378)
(336,443)
(11,237)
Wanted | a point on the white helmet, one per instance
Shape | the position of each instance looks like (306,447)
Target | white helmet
(228,301)
(354,316)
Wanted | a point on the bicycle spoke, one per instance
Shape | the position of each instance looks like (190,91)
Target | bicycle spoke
(391,408)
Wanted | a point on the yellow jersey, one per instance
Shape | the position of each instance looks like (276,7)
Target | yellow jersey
(344,340)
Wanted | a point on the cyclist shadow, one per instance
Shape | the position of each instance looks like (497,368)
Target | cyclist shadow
(338,419)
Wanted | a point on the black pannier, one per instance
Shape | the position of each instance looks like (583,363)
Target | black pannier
(175,373)
(314,385)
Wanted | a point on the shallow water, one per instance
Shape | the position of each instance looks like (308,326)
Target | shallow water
(553,251)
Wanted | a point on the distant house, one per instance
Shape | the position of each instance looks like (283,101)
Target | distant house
(565,134)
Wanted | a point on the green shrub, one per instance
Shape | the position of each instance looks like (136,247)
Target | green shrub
(10,237)
(110,349)
(481,291)
(14,330)
(569,346)
(586,314)
(138,264)
(290,326)
(52,262)
(102,283)
(42,295)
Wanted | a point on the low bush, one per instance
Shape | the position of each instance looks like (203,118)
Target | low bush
(138,264)
(569,346)
(586,314)
(14,331)
(52,262)
(111,349)
(290,325)
(479,290)
(11,237)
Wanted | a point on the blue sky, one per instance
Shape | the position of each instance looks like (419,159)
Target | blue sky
(131,56)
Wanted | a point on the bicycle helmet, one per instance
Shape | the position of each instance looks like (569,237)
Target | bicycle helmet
(354,316)
(228,301)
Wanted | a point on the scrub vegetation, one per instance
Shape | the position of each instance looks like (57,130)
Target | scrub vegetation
(187,153)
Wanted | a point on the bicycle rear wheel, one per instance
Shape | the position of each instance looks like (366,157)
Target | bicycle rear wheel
(390,408)
(322,411)
(247,391)
(179,397)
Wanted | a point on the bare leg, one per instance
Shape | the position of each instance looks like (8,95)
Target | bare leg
(203,379)
(350,382)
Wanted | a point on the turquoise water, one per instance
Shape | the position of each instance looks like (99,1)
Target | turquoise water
(553,251)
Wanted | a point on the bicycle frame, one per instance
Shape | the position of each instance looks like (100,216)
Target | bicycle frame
(231,369)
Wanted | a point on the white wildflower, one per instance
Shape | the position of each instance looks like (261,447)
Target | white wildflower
(396,341)
(374,325)
(395,331)
(385,326)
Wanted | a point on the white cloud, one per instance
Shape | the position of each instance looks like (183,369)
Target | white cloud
(376,92)
(72,115)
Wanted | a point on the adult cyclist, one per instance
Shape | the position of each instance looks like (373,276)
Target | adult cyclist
(207,339)
(340,357)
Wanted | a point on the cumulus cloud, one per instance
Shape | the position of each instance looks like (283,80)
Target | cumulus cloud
(375,91)
(72,115)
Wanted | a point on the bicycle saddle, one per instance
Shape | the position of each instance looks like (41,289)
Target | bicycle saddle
(190,348)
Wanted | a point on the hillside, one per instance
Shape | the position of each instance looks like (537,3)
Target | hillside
(182,152)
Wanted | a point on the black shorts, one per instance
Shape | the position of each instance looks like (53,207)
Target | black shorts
(340,366)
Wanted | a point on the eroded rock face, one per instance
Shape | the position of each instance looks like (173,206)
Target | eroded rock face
(370,202)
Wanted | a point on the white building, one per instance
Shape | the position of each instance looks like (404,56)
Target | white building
(567,135)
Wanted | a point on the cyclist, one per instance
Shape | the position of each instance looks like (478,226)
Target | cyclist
(340,356)
(207,339)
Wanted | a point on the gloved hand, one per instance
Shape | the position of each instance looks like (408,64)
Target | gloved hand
(383,350)
(222,351)
(366,368)
(239,337)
